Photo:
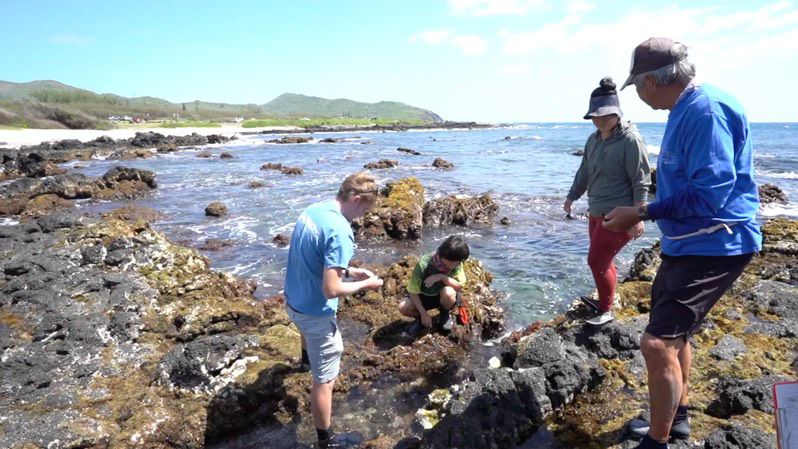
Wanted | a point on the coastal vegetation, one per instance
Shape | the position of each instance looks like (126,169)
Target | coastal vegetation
(50,104)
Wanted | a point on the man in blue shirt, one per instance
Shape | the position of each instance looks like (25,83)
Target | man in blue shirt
(322,246)
(706,208)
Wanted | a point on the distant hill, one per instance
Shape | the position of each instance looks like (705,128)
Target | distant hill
(296,105)
(50,104)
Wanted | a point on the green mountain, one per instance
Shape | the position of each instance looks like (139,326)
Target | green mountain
(50,104)
(296,105)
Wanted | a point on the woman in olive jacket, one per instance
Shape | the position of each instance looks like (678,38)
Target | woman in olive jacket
(614,172)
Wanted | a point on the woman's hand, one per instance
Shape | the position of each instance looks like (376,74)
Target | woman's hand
(567,206)
(637,230)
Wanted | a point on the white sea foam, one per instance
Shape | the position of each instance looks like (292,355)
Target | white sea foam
(8,221)
(777,210)
(653,149)
(536,137)
(781,175)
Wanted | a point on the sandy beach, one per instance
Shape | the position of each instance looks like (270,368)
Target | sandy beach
(22,137)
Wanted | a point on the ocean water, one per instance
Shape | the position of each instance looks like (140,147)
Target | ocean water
(539,260)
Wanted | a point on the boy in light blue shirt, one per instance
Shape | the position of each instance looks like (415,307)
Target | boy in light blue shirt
(322,245)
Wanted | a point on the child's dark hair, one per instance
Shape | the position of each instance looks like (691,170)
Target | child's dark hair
(454,248)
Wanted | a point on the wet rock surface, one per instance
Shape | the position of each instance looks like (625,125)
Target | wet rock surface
(40,160)
(216,209)
(458,210)
(397,213)
(117,183)
(771,193)
(381,164)
(442,164)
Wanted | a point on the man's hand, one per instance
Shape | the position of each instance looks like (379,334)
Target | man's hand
(373,282)
(360,274)
(567,206)
(435,278)
(622,218)
(426,320)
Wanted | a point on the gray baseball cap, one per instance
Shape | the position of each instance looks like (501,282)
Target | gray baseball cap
(652,54)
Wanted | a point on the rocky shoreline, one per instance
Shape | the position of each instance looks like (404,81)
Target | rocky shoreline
(113,336)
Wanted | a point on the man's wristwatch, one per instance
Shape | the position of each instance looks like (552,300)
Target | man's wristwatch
(642,213)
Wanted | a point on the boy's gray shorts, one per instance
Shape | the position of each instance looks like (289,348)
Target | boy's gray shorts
(324,343)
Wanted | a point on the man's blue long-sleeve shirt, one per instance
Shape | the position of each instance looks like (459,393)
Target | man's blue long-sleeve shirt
(705,177)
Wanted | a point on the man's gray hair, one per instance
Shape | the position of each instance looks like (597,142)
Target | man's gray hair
(681,72)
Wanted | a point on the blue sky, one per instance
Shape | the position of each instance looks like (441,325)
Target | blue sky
(484,60)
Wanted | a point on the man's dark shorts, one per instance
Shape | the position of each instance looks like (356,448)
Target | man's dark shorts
(686,288)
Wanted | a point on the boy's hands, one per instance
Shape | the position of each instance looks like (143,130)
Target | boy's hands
(432,280)
(426,320)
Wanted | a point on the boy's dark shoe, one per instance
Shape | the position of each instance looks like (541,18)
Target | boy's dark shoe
(415,328)
(342,440)
(591,303)
(445,320)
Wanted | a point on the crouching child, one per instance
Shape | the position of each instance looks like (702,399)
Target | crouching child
(435,284)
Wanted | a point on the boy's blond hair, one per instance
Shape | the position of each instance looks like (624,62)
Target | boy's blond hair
(359,183)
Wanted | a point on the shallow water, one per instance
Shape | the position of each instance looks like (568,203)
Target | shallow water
(539,260)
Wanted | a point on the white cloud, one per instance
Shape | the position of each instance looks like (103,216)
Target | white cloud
(761,29)
(431,37)
(515,69)
(70,39)
(469,44)
(494,7)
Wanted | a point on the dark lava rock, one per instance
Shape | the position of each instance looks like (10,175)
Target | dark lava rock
(505,221)
(381,164)
(728,348)
(442,164)
(214,244)
(216,209)
(771,193)
(409,151)
(271,166)
(281,240)
(291,171)
(578,153)
(735,436)
(226,155)
(569,369)
(491,410)
(205,154)
(290,140)
(196,363)
(256,184)
(776,298)
(737,397)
